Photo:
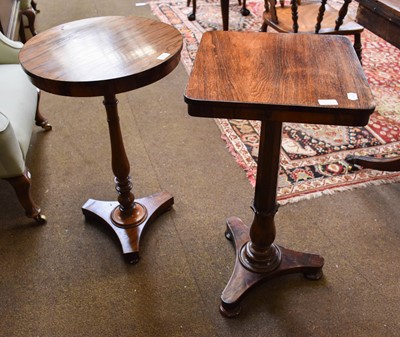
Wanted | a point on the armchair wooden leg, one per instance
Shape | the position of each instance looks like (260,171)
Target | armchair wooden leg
(40,120)
(22,187)
(31,16)
(22,35)
(34,6)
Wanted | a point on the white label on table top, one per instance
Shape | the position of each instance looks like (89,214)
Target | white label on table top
(138,4)
(352,96)
(327,102)
(163,56)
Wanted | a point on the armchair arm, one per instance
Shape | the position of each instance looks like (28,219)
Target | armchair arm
(11,160)
(9,50)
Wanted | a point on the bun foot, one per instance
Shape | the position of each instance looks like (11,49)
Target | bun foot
(132,258)
(192,17)
(244,11)
(314,275)
(229,310)
(228,235)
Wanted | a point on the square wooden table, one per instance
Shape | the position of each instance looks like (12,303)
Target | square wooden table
(274,78)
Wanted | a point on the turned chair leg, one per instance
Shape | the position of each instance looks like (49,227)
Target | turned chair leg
(40,120)
(22,35)
(244,11)
(192,16)
(264,27)
(22,187)
(31,16)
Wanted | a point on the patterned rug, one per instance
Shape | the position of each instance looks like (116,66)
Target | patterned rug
(312,156)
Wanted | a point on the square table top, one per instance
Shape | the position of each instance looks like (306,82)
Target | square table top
(305,78)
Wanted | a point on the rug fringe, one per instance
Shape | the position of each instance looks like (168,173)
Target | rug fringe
(283,200)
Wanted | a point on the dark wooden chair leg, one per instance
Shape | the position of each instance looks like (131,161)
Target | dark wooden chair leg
(264,27)
(22,35)
(225,14)
(244,11)
(224,8)
(358,46)
(40,120)
(192,16)
(22,187)
(31,16)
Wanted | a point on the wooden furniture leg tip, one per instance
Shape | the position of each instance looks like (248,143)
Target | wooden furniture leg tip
(228,310)
(314,275)
(46,126)
(228,234)
(244,11)
(132,258)
(40,219)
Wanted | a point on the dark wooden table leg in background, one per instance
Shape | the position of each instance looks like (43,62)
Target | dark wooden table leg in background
(129,216)
(258,258)
(225,14)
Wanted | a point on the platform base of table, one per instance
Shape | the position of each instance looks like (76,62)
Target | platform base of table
(129,237)
(243,280)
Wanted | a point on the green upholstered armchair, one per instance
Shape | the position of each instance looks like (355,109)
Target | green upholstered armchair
(19,101)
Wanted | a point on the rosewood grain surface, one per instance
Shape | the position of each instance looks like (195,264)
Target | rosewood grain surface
(98,56)
(273,80)
(286,89)
(105,56)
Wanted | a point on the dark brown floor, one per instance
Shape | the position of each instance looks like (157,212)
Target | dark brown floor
(68,278)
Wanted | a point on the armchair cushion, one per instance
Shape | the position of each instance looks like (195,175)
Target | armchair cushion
(18,101)
(9,50)
(11,161)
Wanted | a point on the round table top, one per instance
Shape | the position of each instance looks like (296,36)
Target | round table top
(101,56)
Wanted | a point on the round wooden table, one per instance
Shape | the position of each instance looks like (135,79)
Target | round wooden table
(104,56)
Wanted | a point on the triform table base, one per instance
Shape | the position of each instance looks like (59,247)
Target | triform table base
(129,236)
